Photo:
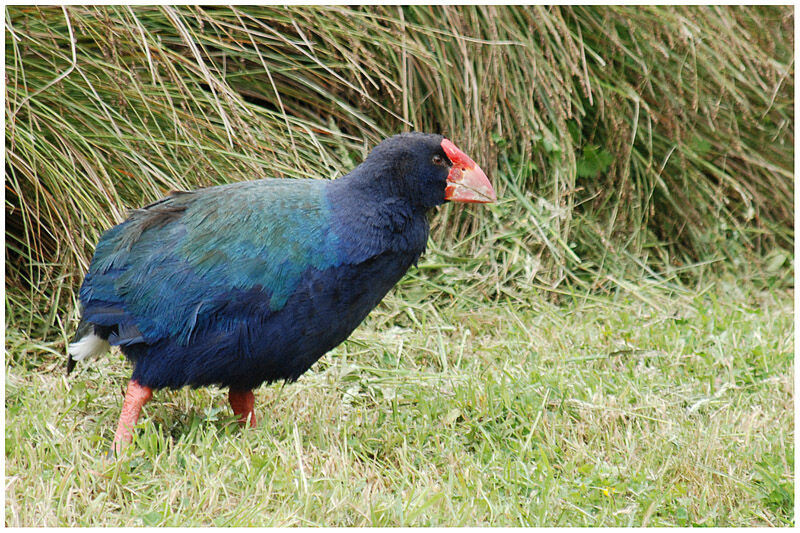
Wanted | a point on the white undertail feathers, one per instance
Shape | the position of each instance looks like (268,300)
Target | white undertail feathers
(88,346)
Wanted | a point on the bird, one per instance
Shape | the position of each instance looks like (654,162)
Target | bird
(252,282)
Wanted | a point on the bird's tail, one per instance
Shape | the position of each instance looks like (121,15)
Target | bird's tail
(88,342)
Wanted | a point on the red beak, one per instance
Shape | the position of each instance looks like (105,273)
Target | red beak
(466,181)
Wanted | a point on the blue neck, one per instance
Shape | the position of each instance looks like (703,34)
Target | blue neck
(371,218)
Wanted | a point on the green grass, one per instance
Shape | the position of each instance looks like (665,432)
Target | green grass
(609,344)
(653,407)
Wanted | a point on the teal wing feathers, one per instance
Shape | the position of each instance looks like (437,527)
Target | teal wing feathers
(175,264)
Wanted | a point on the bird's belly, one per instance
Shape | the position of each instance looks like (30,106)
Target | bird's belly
(248,344)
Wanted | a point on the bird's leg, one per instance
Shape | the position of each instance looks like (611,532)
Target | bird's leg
(242,403)
(136,396)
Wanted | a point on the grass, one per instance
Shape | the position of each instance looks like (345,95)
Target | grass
(618,136)
(654,407)
(609,344)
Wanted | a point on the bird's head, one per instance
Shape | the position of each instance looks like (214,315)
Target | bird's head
(429,169)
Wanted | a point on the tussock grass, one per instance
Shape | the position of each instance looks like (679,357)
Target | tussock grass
(626,142)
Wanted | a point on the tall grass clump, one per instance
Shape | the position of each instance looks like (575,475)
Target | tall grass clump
(623,141)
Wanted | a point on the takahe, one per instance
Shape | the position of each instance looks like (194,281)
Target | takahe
(252,282)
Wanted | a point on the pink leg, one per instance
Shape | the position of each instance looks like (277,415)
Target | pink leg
(242,403)
(136,396)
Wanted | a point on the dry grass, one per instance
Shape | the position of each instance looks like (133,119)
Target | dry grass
(627,142)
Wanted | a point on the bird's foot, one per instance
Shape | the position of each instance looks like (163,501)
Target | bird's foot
(135,397)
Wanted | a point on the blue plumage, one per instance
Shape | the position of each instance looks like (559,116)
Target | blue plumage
(253,282)
(173,266)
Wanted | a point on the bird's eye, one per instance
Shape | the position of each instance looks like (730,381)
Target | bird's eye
(438,160)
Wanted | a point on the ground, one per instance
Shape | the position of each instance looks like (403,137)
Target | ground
(657,407)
